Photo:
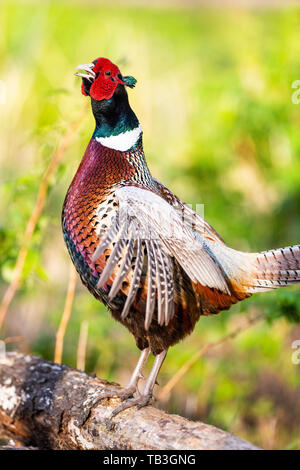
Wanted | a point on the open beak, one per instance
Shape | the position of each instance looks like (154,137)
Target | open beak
(88,69)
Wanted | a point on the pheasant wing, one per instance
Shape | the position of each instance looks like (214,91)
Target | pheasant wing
(146,226)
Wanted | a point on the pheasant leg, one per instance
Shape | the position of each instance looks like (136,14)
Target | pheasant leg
(131,387)
(145,397)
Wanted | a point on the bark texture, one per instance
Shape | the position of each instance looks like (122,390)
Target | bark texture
(50,406)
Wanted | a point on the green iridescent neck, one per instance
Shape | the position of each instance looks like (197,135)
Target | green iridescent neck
(114,116)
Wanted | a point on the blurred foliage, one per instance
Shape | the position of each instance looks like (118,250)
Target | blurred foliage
(214,99)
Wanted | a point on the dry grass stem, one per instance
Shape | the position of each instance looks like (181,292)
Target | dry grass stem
(60,335)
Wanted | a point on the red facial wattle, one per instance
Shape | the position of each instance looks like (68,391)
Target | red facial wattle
(108,76)
(103,89)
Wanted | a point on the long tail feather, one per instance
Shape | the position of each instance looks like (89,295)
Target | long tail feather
(275,268)
(258,272)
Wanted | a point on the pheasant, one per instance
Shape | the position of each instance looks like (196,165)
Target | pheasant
(154,262)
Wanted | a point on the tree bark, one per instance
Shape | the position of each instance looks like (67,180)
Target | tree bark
(50,406)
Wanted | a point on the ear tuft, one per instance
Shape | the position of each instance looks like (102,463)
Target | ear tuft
(129,81)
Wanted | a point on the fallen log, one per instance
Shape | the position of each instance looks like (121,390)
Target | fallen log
(50,406)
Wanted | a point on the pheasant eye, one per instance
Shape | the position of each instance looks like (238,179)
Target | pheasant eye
(107,73)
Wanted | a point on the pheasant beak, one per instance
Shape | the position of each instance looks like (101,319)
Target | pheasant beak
(88,68)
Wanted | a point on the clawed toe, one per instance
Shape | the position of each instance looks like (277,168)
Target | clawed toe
(114,392)
(139,402)
(127,398)
(127,393)
(110,392)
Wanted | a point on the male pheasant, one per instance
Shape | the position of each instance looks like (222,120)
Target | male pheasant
(154,262)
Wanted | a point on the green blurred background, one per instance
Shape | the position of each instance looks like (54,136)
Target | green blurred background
(220,129)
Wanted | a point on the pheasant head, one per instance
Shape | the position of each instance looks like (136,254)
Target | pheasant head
(115,120)
(101,78)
